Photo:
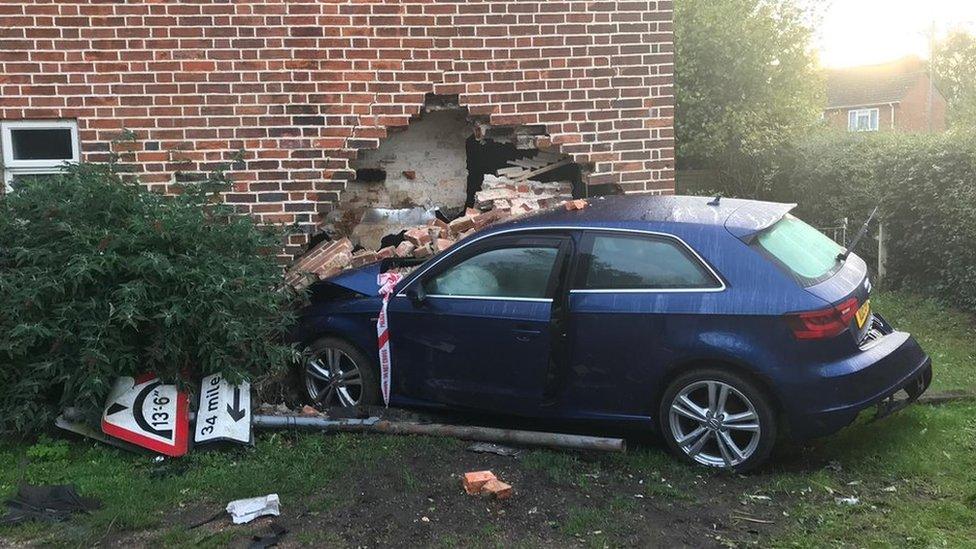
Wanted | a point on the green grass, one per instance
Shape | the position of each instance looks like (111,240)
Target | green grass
(559,467)
(914,474)
(947,335)
(138,493)
(601,518)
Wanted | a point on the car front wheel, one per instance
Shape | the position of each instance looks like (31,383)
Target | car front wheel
(337,373)
(718,419)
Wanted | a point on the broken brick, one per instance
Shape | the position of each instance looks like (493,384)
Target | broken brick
(523,206)
(488,218)
(363,257)
(497,489)
(576,204)
(405,249)
(386,252)
(501,204)
(442,244)
(476,480)
(461,224)
(410,174)
(490,195)
(418,236)
(336,263)
(424,251)
(322,261)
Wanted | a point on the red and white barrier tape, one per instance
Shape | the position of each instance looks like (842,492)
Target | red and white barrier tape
(387,283)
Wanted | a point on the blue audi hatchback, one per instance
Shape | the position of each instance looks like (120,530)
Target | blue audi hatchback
(721,323)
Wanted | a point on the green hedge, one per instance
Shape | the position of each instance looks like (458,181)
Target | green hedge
(101,278)
(926,186)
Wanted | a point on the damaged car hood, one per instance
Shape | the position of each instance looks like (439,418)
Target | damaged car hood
(362,280)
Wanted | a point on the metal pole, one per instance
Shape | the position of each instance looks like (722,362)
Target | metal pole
(464,432)
(931,92)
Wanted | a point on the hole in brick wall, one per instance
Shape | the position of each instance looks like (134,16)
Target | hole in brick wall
(370,175)
(487,156)
(434,102)
(415,171)
(436,165)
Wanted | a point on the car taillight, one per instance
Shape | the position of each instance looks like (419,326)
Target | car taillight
(823,323)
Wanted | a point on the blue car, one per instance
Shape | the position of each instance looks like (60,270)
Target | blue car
(721,323)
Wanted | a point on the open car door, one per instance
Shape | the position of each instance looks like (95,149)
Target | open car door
(474,329)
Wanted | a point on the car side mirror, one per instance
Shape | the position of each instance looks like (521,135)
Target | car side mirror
(417,295)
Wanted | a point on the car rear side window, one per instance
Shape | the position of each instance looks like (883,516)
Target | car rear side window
(807,253)
(515,272)
(636,262)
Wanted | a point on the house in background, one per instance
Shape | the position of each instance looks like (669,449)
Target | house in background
(896,96)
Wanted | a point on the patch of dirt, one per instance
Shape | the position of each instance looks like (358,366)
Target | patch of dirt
(387,510)
(413,497)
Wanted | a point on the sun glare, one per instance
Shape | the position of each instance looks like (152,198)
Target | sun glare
(863,32)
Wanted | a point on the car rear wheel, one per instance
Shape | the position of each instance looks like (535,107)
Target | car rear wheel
(718,419)
(337,373)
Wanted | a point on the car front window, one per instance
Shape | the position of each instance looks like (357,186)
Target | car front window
(516,272)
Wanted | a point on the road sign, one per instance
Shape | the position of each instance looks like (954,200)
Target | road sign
(224,412)
(145,412)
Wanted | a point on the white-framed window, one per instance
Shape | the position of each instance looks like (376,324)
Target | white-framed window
(36,147)
(863,120)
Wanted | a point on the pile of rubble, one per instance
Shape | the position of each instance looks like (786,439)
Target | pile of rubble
(509,193)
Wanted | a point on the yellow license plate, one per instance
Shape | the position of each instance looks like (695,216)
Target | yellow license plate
(863,313)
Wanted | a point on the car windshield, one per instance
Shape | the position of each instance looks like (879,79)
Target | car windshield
(807,253)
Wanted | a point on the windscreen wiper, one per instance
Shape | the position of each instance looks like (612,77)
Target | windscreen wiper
(860,234)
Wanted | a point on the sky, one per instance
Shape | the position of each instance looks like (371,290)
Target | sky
(863,32)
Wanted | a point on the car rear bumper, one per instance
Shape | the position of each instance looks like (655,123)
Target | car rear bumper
(895,366)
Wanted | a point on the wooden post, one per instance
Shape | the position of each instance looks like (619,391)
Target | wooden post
(882,252)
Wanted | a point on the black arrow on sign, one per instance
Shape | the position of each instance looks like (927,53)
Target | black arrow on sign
(115,408)
(236,411)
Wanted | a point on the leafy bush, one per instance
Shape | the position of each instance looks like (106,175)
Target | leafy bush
(746,84)
(926,188)
(100,278)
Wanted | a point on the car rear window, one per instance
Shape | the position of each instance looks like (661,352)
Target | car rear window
(807,253)
(636,262)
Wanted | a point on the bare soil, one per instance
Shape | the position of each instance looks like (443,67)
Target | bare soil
(414,498)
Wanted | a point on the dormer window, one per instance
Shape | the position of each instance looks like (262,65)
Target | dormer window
(36,148)
(863,120)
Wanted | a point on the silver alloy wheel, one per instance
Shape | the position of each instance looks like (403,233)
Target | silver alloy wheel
(714,424)
(333,378)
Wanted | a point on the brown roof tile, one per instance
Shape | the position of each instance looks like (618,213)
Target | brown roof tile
(873,84)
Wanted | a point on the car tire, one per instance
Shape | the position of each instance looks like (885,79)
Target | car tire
(358,383)
(699,429)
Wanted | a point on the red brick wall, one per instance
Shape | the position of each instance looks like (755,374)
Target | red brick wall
(914,111)
(911,113)
(299,86)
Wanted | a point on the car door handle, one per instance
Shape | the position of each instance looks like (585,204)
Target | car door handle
(525,335)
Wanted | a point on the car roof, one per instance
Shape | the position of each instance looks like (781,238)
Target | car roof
(741,217)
